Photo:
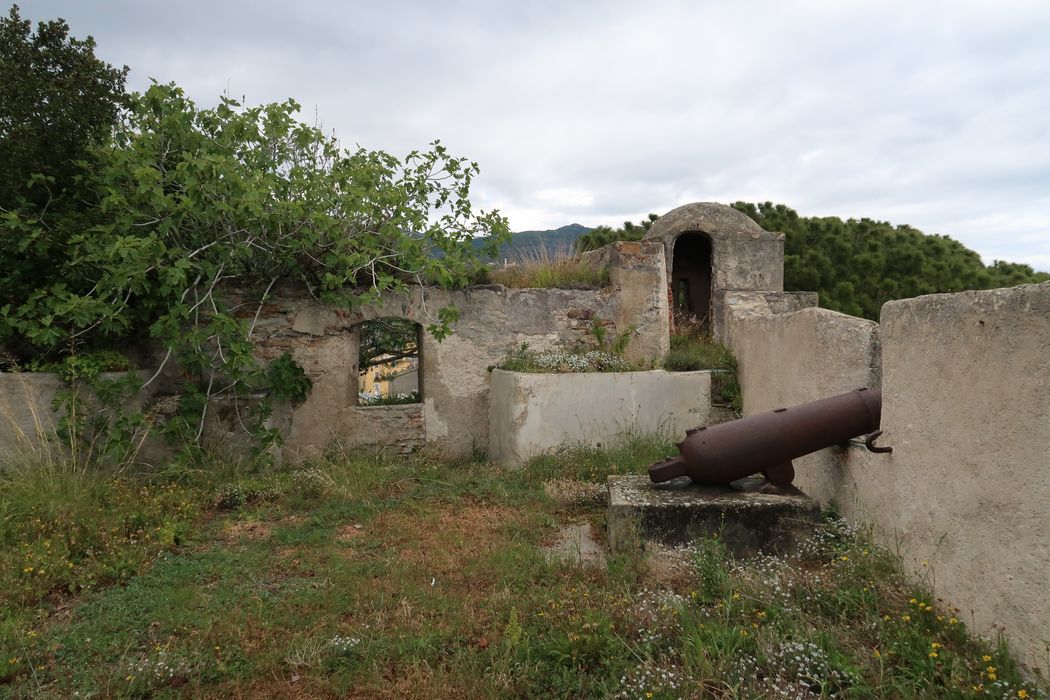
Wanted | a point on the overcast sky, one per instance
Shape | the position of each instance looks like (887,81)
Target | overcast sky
(935,114)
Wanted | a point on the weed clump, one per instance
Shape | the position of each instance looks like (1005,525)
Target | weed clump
(546,269)
(524,359)
(694,348)
(391,400)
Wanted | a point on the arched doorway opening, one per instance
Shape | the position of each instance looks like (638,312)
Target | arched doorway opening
(691,277)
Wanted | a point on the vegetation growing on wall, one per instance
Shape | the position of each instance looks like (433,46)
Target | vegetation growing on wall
(176,204)
(525,359)
(190,200)
(694,348)
(544,268)
(392,399)
(603,353)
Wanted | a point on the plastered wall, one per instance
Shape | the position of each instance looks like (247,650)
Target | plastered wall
(454,414)
(744,256)
(966,407)
(530,414)
(455,377)
(30,419)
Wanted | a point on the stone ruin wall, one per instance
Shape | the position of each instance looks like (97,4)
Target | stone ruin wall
(965,380)
(744,256)
(455,377)
(966,407)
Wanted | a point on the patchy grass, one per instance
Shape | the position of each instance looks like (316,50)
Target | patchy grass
(67,530)
(543,268)
(690,353)
(418,577)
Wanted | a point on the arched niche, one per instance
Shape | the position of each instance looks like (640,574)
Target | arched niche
(691,277)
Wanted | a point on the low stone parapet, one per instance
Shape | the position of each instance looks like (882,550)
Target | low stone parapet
(530,414)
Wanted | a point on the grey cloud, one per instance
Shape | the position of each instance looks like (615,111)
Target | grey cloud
(925,113)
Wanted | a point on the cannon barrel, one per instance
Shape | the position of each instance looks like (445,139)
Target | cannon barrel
(767,442)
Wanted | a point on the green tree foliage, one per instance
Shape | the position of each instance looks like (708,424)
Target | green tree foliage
(604,235)
(859,264)
(58,104)
(56,99)
(189,204)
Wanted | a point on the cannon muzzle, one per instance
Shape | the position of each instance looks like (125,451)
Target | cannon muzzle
(767,442)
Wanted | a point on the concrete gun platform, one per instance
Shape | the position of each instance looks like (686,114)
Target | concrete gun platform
(748,520)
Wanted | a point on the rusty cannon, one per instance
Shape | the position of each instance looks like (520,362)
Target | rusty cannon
(767,442)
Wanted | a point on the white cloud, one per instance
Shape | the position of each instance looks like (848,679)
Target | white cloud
(927,113)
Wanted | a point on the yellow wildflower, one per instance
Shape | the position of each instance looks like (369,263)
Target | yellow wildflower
(986,658)
(1022,693)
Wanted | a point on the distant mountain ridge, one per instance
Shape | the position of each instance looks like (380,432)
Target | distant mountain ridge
(553,240)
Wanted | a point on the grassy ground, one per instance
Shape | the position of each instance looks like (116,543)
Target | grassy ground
(420,577)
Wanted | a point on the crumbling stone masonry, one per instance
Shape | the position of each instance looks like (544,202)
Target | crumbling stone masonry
(711,249)
(453,415)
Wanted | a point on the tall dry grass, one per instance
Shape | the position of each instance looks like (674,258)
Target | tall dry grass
(50,466)
(547,268)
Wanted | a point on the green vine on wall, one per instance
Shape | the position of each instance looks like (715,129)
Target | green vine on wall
(184,203)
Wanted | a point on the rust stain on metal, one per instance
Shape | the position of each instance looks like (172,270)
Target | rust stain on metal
(767,442)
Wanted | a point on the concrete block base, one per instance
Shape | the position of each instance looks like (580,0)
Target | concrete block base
(676,512)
